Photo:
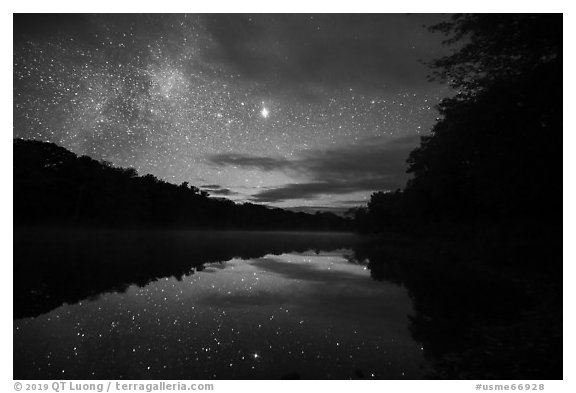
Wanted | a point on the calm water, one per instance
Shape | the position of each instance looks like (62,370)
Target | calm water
(181,305)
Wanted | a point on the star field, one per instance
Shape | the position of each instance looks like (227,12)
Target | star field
(165,94)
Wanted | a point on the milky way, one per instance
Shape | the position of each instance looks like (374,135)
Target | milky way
(286,110)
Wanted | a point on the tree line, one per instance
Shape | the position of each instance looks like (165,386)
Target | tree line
(54,186)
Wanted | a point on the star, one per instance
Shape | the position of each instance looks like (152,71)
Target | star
(264,112)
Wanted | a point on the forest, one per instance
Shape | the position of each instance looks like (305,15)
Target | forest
(494,156)
(53,186)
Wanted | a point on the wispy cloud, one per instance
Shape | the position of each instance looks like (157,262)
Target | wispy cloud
(374,164)
(216,189)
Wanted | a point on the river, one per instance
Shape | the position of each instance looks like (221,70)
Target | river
(194,305)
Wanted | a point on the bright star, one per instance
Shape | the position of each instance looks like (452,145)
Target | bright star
(264,112)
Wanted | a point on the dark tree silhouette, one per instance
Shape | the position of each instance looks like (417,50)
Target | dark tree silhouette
(496,152)
(496,47)
(52,186)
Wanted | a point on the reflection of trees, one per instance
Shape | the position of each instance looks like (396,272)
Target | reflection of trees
(474,323)
(56,266)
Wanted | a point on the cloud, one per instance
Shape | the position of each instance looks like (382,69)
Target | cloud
(310,54)
(316,189)
(374,164)
(246,161)
(339,210)
(223,191)
(373,158)
(216,189)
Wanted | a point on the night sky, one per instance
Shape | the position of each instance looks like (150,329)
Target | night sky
(299,111)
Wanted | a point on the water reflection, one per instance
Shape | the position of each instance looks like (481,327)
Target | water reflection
(293,315)
(53,266)
(475,319)
(155,304)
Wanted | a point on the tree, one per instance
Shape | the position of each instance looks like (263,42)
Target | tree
(496,47)
(496,151)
